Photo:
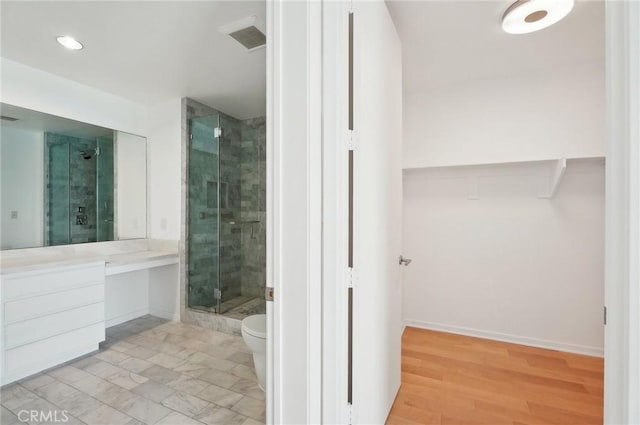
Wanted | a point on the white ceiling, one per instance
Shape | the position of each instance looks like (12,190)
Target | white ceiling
(145,51)
(149,51)
(37,121)
(445,42)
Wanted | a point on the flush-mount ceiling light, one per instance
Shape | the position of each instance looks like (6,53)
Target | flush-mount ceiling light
(526,16)
(69,42)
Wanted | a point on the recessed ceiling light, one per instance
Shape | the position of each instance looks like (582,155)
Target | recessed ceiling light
(69,42)
(526,16)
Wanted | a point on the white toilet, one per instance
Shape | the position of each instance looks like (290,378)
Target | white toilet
(254,333)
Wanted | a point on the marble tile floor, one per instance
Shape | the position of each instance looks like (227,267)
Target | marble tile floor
(148,371)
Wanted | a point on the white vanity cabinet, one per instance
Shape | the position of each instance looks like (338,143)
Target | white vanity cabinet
(49,316)
(55,302)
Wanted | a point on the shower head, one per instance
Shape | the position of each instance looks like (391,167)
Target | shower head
(89,155)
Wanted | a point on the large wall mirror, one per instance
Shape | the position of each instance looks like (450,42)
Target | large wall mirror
(66,182)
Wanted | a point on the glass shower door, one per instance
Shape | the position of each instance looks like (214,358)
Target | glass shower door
(226,241)
(203,250)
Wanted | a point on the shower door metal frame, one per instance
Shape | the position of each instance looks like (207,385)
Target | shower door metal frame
(217,290)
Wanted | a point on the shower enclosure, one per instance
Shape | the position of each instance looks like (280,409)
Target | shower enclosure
(226,240)
(79,189)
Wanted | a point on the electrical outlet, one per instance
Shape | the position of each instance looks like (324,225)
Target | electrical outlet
(14,215)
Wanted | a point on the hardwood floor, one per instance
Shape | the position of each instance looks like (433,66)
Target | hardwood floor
(453,379)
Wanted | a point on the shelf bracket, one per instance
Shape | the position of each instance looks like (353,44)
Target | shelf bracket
(558,173)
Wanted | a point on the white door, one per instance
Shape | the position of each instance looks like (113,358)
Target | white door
(377,212)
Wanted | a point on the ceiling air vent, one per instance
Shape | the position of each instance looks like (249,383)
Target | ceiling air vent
(246,33)
(6,118)
(251,38)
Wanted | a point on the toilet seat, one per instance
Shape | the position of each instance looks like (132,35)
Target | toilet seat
(255,326)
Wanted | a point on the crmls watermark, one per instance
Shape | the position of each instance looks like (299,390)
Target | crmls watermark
(43,416)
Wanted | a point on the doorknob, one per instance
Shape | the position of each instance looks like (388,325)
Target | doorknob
(404,261)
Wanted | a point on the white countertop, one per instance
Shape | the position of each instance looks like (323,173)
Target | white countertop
(32,263)
(137,257)
(125,257)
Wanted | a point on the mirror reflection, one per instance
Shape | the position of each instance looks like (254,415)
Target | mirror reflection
(59,181)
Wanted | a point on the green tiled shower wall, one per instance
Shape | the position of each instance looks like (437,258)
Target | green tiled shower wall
(73,184)
(226,190)
(253,192)
(57,191)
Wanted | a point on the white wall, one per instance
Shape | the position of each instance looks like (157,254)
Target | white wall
(294,222)
(22,168)
(164,292)
(164,174)
(136,293)
(501,120)
(38,90)
(126,296)
(131,186)
(507,265)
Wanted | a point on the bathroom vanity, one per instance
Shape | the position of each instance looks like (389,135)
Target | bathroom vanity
(56,302)
(74,258)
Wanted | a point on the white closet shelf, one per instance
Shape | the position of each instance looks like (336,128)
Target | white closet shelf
(550,172)
(504,163)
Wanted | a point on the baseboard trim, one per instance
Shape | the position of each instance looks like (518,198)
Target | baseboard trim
(165,314)
(515,339)
(126,317)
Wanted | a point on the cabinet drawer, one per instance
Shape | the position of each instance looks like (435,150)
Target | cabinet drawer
(32,358)
(32,330)
(49,281)
(43,305)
